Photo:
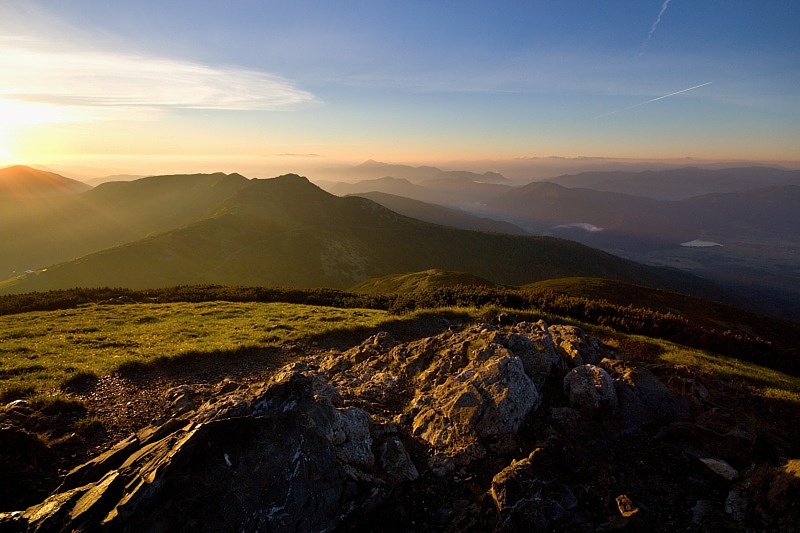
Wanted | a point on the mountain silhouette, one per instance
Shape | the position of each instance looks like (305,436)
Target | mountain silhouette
(287,231)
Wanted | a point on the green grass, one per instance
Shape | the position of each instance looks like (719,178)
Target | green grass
(40,351)
(741,375)
(416,281)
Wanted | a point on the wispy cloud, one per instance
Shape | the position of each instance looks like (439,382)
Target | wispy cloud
(98,83)
(655,25)
(652,100)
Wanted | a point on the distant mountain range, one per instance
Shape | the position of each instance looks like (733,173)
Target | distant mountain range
(624,220)
(681,183)
(438,214)
(735,226)
(448,189)
(286,231)
(225,228)
(370,170)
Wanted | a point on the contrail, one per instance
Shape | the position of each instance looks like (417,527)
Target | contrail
(653,100)
(655,25)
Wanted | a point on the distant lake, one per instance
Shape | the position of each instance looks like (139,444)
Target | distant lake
(700,244)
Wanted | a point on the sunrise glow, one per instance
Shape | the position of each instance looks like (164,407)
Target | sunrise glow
(122,87)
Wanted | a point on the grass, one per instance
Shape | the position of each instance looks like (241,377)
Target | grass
(741,375)
(414,281)
(40,351)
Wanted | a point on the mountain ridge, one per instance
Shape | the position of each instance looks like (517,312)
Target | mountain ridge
(286,230)
(21,180)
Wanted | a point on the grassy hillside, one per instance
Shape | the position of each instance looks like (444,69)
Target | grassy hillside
(418,281)
(52,339)
(286,231)
(625,307)
(36,233)
(46,349)
(24,181)
(699,312)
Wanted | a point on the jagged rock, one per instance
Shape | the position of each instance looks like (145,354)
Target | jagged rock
(407,436)
(489,396)
(721,468)
(293,462)
(396,462)
(530,498)
(181,398)
(533,344)
(642,396)
(99,466)
(51,513)
(351,437)
(573,345)
(469,387)
(590,388)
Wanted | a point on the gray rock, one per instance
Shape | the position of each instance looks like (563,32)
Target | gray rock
(642,397)
(721,468)
(294,462)
(573,345)
(590,388)
(533,344)
(488,397)
(528,498)
(396,462)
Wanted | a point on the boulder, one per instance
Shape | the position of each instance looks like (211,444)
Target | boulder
(468,387)
(590,388)
(574,346)
(641,397)
(489,396)
(533,344)
(529,497)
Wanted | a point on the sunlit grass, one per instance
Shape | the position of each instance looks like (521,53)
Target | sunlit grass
(748,377)
(41,350)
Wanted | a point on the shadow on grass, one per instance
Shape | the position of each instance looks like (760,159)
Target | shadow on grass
(254,360)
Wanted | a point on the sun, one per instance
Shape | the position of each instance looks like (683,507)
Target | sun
(19,119)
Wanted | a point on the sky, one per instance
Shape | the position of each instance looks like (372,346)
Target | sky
(150,86)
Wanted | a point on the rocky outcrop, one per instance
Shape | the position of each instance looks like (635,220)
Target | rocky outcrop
(590,388)
(516,427)
(287,460)
(530,493)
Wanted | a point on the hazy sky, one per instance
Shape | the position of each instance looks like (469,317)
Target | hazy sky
(132,85)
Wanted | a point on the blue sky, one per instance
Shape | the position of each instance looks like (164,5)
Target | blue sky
(130,84)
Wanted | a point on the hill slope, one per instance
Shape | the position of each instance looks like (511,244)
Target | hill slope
(288,231)
(417,281)
(35,233)
(25,181)
(437,214)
